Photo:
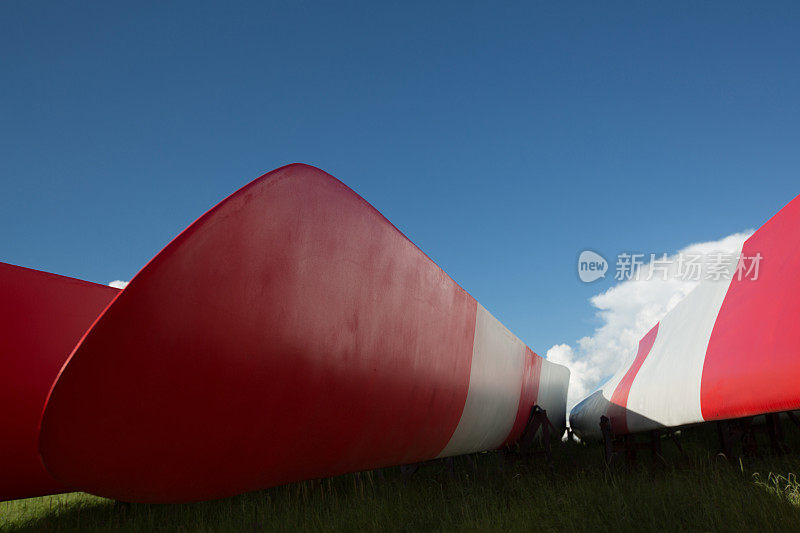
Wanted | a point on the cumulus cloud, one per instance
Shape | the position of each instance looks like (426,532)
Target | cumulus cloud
(118,284)
(628,310)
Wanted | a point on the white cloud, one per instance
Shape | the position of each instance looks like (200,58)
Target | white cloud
(627,311)
(118,284)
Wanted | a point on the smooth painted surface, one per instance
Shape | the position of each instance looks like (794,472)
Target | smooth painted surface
(753,360)
(495,383)
(552,394)
(290,333)
(661,385)
(42,318)
(619,399)
(529,394)
(666,391)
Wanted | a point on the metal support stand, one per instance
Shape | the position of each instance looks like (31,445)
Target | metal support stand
(741,434)
(537,419)
(677,443)
(526,446)
(616,445)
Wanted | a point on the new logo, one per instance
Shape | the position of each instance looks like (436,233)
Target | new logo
(591,266)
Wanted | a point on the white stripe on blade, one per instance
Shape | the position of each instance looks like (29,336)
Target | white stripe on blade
(552,397)
(495,382)
(666,390)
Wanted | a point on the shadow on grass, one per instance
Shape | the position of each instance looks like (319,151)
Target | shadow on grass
(577,492)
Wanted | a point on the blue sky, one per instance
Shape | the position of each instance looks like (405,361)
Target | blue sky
(503,139)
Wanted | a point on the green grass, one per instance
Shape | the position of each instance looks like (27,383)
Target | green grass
(577,493)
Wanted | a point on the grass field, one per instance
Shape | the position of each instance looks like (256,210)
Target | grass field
(577,492)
